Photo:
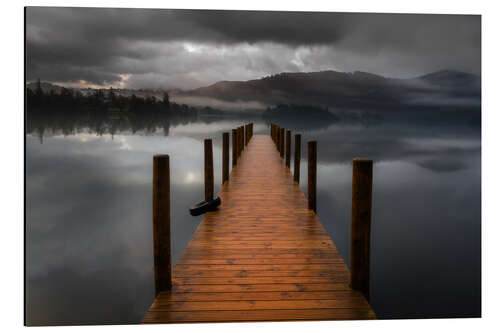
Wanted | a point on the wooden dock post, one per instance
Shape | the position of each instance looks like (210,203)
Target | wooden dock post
(282,142)
(279,140)
(242,136)
(242,139)
(238,141)
(362,173)
(234,147)
(242,146)
(296,161)
(311,174)
(225,157)
(209,171)
(288,147)
(161,223)
(278,131)
(245,134)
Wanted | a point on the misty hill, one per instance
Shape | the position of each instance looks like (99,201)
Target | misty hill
(341,89)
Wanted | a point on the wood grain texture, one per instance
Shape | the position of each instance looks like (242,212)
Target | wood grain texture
(161,223)
(362,172)
(262,256)
(288,147)
(296,162)
(311,174)
(209,170)
(234,139)
(225,157)
(282,142)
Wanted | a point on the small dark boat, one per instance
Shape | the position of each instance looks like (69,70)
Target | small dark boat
(204,206)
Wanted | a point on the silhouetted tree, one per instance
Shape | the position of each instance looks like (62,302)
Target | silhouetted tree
(166,100)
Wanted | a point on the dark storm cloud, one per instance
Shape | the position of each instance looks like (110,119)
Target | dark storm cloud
(101,45)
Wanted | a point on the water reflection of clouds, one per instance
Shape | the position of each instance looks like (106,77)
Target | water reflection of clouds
(445,150)
(130,152)
(425,227)
(88,217)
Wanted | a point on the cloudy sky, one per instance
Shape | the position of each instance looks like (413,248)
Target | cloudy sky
(151,48)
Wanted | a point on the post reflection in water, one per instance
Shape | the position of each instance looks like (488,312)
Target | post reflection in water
(89,226)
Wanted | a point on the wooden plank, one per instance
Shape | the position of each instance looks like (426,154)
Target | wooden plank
(257,315)
(259,267)
(282,287)
(263,255)
(349,302)
(258,296)
(262,280)
(253,273)
(262,261)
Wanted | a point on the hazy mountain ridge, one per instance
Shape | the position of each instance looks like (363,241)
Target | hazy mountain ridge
(344,89)
(326,89)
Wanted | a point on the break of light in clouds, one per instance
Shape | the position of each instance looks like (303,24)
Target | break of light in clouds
(156,48)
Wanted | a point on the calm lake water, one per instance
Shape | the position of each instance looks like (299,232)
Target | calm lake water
(89,257)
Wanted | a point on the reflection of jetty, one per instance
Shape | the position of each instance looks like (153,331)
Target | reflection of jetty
(264,254)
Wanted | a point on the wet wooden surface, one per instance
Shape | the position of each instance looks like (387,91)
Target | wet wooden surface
(263,256)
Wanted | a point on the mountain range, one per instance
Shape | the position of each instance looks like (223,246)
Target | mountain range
(332,89)
(341,89)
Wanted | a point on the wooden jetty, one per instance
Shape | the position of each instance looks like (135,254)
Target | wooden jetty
(263,255)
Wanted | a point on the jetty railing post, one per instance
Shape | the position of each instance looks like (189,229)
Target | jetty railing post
(288,147)
(277,143)
(282,142)
(296,161)
(242,137)
(234,147)
(225,157)
(280,139)
(362,173)
(241,140)
(311,174)
(245,134)
(209,171)
(238,141)
(278,133)
(161,223)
